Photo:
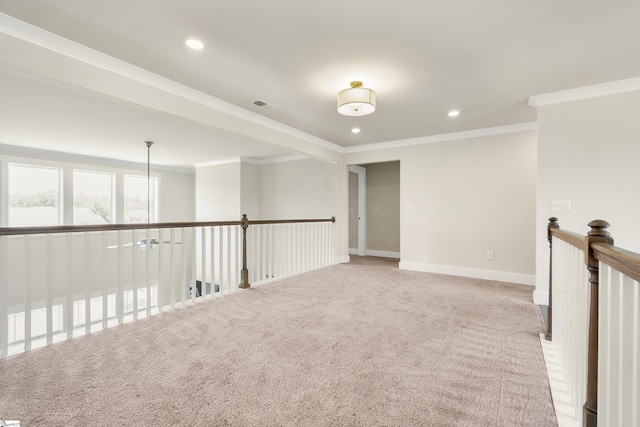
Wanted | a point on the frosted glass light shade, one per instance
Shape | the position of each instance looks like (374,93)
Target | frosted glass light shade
(356,101)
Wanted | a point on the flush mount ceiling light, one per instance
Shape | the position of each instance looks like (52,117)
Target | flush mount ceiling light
(356,101)
(453,113)
(194,44)
(355,130)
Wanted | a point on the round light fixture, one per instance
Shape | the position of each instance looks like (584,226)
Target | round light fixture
(356,101)
(453,113)
(194,44)
(355,130)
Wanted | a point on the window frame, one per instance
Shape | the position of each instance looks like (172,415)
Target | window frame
(7,195)
(66,185)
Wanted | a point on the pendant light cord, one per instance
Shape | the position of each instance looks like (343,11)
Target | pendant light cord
(149,144)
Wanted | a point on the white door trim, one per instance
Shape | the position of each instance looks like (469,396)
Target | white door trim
(362,208)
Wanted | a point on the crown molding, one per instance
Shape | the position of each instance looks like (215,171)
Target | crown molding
(13,150)
(251,160)
(476,133)
(281,159)
(586,92)
(219,162)
(40,37)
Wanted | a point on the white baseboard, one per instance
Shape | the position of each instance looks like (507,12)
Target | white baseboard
(383,254)
(342,259)
(500,276)
(541,298)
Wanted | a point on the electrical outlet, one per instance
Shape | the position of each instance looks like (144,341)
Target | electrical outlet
(490,255)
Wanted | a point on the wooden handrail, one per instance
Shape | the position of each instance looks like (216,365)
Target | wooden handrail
(13,231)
(574,239)
(289,221)
(624,261)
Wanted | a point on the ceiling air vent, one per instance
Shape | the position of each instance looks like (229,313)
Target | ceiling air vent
(264,105)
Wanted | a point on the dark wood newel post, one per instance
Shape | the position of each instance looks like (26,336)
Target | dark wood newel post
(245,272)
(598,234)
(553,223)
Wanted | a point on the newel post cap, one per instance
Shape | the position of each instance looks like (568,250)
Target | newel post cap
(599,228)
(553,223)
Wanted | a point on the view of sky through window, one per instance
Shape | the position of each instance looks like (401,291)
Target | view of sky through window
(34,195)
(92,197)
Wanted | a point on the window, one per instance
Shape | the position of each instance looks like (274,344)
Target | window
(40,192)
(140,199)
(92,198)
(34,195)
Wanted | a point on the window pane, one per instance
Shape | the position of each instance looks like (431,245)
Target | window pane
(92,198)
(34,195)
(140,201)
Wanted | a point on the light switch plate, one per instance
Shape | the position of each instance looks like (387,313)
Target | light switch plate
(561,205)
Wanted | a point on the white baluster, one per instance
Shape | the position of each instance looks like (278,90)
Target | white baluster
(172,277)
(221,281)
(27,292)
(49,287)
(183,268)
(87,284)
(229,253)
(148,253)
(4,287)
(635,372)
(120,291)
(604,343)
(161,267)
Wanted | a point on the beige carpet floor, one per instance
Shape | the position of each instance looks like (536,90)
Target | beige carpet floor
(359,344)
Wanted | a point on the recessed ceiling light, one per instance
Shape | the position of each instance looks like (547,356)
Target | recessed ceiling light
(453,113)
(194,44)
(355,130)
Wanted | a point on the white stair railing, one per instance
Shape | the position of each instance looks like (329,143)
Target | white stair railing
(57,283)
(571,321)
(619,340)
(282,250)
(595,329)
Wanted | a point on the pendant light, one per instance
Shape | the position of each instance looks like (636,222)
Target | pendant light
(357,100)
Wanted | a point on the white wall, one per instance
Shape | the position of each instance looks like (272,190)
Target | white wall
(588,153)
(467,197)
(177,197)
(298,189)
(250,197)
(218,192)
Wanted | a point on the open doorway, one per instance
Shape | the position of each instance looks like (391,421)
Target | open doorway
(374,209)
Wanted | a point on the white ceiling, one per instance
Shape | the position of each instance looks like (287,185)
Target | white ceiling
(422,57)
